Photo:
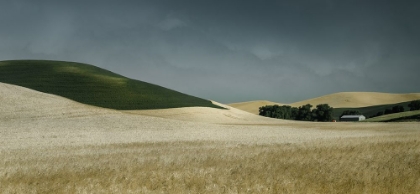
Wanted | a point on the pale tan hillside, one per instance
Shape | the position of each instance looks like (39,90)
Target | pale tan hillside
(47,120)
(359,99)
(20,102)
(50,144)
(252,106)
(23,103)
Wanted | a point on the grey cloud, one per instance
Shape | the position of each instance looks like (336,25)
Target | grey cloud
(228,51)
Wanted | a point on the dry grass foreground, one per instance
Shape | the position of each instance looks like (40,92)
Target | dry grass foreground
(338,100)
(364,165)
(53,145)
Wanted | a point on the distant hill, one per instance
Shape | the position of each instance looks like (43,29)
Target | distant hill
(93,86)
(253,106)
(359,99)
(338,100)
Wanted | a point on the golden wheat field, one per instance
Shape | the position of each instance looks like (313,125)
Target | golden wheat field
(363,165)
(53,145)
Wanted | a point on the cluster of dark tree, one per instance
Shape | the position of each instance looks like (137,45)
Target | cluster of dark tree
(395,109)
(322,112)
(414,105)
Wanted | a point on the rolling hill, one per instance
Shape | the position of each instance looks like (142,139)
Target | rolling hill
(93,86)
(19,103)
(340,100)
(229,115)
(358,99)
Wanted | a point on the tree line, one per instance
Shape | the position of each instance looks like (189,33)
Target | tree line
(413,105)
(322,112)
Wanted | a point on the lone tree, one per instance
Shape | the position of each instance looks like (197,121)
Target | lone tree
(323,113)
(414,105)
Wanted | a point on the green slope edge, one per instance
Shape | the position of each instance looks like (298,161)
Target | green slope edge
(94,86)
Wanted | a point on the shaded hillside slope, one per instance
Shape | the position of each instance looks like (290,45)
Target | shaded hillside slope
(94,86)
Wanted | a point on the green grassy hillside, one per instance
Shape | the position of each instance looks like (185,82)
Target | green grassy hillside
(369,111)
(397,117)
(94,86)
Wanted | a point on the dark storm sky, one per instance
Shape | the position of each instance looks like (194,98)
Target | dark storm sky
(228,50)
